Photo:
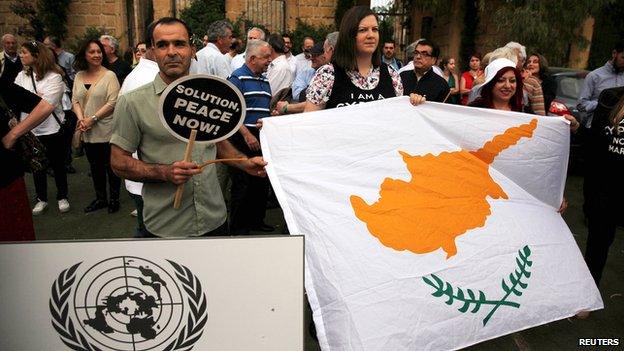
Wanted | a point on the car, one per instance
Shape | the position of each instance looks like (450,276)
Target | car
(569,83)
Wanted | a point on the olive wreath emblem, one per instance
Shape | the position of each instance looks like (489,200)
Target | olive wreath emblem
(189,334)
(468,299)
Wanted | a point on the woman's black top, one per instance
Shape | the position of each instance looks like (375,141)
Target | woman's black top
(18,100)
(345,93)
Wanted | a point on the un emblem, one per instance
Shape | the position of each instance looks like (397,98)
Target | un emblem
(128,303)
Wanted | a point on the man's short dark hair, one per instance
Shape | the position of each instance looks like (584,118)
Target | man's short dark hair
(389,41)
(287,35)
(619,46)
(435,50)
(277,43)
(55,40)
(166,20)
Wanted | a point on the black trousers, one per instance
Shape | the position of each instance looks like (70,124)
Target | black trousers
(70,120)
(98,155)
(603,210)
(249,193)
(55,152)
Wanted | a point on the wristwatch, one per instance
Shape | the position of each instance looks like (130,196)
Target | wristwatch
(94,118)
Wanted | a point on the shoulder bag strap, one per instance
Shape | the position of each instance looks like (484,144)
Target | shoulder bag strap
(32,79)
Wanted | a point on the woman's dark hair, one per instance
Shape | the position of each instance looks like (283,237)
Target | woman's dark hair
(477,55)
(81,63)
(543,63)
(486,99)
(445,61)
(345,50)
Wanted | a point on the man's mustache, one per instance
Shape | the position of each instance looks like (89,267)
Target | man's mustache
(173,60)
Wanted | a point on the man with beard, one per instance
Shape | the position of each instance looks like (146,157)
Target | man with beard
(137,127)
(388,55)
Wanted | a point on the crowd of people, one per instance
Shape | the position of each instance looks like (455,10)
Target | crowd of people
(97,102)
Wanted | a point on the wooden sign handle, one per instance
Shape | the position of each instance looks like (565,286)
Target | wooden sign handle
(187,158)
(221,160)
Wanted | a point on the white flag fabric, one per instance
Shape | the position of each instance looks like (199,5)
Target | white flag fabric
(428,228)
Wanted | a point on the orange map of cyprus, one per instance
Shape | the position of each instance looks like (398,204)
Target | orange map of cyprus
(445,197)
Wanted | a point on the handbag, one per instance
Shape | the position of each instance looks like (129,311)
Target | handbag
(28,146)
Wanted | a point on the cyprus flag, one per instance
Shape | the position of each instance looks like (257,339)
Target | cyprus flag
(431,227)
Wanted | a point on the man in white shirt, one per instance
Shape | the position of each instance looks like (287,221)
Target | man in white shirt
(288,52)
(254,33)
(302,61)
(210,59)
(142,74)
(279,74)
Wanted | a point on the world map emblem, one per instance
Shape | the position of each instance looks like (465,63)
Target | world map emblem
(128,303)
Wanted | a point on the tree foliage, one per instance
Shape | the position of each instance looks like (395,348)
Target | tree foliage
(44,17)
(609,29)
(303,29)
(342,6)
(201,14)
(386,22)
(91,33)
(548,27)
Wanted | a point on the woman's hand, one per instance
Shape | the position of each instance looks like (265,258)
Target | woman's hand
(85,124)
(416,99)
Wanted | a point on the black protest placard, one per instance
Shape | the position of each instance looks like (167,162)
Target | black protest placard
(211,105)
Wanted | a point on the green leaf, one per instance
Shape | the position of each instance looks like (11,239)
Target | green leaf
(449,292)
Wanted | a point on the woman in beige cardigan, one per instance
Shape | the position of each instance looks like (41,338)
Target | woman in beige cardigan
(94,96)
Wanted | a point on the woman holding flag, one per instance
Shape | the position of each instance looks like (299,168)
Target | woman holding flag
(356,73)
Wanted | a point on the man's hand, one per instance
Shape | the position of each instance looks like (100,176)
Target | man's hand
(180,172)
(255,166)
(574,124)
(416,99)
(252,142)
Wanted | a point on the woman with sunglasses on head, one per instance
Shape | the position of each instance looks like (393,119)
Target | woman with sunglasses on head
(94,97)
(356,73)
(42,76)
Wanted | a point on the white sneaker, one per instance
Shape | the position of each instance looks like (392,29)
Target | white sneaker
(63,205)
(134,213)
(39,208)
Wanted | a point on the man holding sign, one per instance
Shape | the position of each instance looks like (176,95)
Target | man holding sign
(139,128)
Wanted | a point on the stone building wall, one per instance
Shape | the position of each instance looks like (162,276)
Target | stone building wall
(125,19)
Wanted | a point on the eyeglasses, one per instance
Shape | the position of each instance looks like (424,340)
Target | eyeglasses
(424,54)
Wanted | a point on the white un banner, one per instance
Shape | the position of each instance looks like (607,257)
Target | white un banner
(428,228)
(139,295)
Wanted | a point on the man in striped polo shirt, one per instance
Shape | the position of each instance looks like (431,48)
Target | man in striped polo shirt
(249,194)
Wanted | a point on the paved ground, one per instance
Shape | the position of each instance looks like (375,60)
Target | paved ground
(560,335)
